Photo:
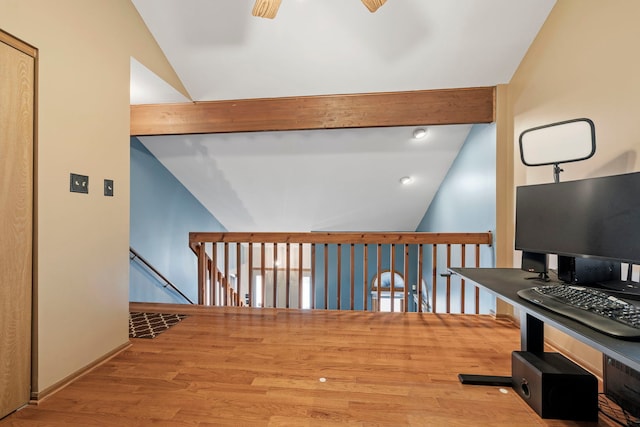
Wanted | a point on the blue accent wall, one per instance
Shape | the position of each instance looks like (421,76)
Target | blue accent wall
(465,202)
(163,212)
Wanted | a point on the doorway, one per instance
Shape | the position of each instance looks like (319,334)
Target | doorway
(17,99)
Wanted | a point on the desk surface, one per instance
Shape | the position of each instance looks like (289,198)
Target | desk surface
(504,283)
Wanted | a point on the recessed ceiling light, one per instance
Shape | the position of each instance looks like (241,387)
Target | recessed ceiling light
(419,133)
(406,180)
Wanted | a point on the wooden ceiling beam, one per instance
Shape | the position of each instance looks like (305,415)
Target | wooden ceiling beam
(415,108)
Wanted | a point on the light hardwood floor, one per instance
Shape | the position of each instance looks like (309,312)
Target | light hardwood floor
(252,367)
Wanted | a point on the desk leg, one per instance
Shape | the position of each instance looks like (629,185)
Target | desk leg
(531,333)
(531,339)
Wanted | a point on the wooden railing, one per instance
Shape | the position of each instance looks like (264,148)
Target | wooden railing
(340,270)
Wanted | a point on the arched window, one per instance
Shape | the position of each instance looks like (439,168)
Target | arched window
(385,292)
(398,295)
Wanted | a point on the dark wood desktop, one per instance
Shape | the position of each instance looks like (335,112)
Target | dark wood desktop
(504,283)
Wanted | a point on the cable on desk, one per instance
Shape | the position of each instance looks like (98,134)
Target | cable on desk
(610,409)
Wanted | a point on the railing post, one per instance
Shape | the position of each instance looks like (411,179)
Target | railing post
(379,276)
(365,275)
(406,277)
(434,276)
(226,275)
(209,283)
(339,256)
(263,284)
(202,271)
(313,275)
(463,253)
(214,274)
(392,272)
(238,273)
(287,275)
(420,254)
(477,288)
(448,278)
(250,275)
(275,275)
(352,274)
(300,274)
(326,276)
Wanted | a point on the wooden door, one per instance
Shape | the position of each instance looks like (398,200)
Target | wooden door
(16,220)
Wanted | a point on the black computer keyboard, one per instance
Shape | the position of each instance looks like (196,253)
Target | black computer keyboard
(589,306)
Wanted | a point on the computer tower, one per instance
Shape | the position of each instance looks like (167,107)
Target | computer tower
(554,386)
(584,271)
(622,385)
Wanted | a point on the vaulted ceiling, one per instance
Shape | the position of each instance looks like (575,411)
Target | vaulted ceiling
(334,179)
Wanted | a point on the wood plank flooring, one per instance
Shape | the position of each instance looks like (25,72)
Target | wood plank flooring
(253,367)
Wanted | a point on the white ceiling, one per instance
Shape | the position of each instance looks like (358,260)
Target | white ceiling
(325,179)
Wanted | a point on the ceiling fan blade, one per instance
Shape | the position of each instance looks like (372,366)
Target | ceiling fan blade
(373,5)
(266,8)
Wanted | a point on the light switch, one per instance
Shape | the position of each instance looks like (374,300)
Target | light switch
(108,187)
(79,183)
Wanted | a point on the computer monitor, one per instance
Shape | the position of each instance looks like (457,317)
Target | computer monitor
(596,217)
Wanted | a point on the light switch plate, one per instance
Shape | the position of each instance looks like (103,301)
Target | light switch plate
(79,183)
(108,187)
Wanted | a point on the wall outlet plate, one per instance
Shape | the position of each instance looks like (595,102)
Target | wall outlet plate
(79,183)
(108,187)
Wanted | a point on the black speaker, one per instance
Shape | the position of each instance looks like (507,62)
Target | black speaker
(534,262)
(554,386)
(586,270)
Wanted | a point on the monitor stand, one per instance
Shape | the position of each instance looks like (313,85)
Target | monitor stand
(542,276)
